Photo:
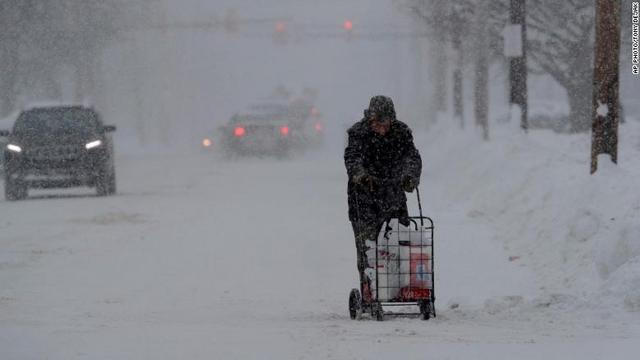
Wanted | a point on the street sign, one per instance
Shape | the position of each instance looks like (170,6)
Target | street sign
(512,35)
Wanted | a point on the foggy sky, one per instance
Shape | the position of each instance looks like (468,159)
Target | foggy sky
(194,80)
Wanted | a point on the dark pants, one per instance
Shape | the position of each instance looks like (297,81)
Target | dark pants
(363,231)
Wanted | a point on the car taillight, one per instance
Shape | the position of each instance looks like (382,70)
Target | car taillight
(239,131)
(284,130)
(318,126)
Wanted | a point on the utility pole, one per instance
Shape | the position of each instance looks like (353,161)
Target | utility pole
(606,73)
(518,65)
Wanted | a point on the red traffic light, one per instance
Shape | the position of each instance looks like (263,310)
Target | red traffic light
(348,25)
(281,27)
(239,131)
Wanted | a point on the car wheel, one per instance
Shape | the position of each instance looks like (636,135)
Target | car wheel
(112,182)
(106,183)
(14,189)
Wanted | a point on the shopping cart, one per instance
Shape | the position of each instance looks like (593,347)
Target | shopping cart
(400,271)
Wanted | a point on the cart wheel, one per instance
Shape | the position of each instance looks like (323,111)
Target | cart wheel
(425,310)
(377,312)
(355,304)
(433,307)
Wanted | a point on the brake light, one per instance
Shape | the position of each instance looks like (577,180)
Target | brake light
(239,131)
(284,130)
(318,126)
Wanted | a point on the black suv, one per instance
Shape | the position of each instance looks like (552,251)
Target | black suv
(59,146)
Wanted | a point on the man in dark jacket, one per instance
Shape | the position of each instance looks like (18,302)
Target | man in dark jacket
(382,163)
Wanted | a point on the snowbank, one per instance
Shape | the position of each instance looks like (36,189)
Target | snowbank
(579,233)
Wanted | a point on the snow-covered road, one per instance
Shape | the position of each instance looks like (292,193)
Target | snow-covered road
(198,258)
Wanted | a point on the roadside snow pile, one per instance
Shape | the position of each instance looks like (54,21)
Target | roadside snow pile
(579,233)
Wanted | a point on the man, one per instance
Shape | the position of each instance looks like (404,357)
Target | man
(382,163)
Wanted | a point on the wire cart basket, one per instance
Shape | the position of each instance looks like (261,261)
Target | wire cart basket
(400,272)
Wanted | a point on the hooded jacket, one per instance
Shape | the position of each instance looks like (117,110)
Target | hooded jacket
(389,158)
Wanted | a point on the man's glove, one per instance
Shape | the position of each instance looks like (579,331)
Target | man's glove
(365,180)
(409,183)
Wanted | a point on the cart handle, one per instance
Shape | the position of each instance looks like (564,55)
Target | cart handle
(419,206)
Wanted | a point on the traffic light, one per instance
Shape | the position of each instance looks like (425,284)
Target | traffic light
(281,27)
(348,26)
(280,35)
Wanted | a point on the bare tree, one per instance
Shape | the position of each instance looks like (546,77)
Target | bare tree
(481,86)
(434,15)
(446,21)
(471,27)
(40,36)
(561,44)
(11,39)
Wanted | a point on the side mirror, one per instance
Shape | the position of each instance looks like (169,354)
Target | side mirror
(109,128)
(5,133)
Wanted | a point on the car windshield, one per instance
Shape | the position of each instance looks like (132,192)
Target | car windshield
(268,108)
(57,121)
(258,118)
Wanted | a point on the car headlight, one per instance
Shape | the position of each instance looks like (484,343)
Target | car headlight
(14,148)
(93,144)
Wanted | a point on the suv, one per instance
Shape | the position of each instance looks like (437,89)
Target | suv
(59,146)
